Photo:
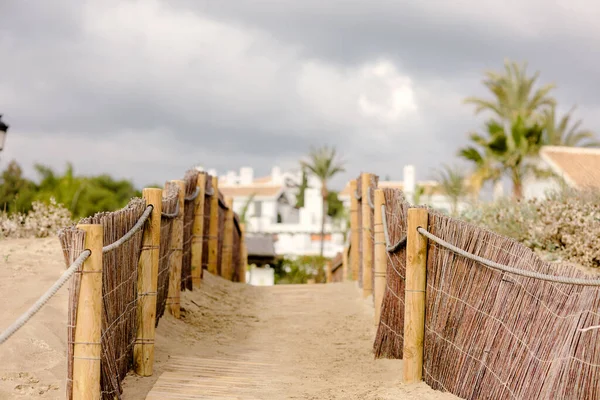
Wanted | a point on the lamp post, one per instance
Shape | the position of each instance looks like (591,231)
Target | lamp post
(3,130)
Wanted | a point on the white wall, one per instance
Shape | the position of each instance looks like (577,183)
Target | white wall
(264,276)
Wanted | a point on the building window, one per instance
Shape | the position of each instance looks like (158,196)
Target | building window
(257,209)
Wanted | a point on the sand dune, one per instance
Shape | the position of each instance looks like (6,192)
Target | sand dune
(320,336)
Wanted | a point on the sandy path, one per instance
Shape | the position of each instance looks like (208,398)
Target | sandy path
(33,361)
(320,336)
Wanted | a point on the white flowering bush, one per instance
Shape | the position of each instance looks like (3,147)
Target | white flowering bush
(43,220)
(564,226)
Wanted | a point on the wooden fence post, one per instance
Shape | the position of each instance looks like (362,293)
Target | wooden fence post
(345,263)
(87,348)
(174,296)
(213,232)
(143,349)
(367,237)
(198,232)
(227,256)
(414,296)
(329,272)
(380,255)
(354,232)
(243,256)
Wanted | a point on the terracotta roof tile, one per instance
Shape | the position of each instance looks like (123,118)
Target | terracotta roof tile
(580,167)
(264,179)
(246,191)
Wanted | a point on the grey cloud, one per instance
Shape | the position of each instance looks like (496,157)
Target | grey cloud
(62,77)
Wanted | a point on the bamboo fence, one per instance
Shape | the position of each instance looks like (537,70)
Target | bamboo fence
(122,325)
(191,179)
(169,206)
(476,331)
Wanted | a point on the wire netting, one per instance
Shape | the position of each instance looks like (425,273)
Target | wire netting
(119,296)
(191,181)
(491,334)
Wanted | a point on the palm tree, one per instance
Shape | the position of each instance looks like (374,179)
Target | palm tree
(514,134)
(514,95)
(323,163)
(511,154)
(560,133)
(243,216)
(452,183)
(482,154)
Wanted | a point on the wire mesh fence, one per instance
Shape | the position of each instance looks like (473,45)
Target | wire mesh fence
(191,180)
(490,333)
(389,339)
(120,294)
(169,206)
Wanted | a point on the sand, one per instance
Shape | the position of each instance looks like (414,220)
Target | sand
(319,336)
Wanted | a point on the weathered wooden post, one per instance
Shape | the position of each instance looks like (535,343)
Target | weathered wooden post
(143,349)
(86,348)
(380,254)
(414,296)
(345,263)
(198,232)
(354,232)
(174,296)
(213,232)
(367,237)
(329,276)
(227,256)
(243,255)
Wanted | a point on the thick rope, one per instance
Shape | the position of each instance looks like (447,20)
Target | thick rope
(223,205)
(209,194)
(357,196)
(138,225)
(506,268)
(23,319)
(388,247)
(370,200)
(193,197)
(174,214)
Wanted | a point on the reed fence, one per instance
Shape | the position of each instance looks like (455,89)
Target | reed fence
(128,268)
(472,312)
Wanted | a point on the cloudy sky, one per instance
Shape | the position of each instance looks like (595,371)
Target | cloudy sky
(145,89)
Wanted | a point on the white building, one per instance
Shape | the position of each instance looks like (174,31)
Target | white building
(416,192)
(271,209)
(575,167)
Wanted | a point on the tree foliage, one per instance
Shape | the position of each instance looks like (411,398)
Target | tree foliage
(523,118)
(452,183)
(81,195)
(323,163)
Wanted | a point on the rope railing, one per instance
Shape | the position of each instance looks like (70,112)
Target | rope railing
(506,268)
(357,196)
(369,199)
(193,196)
(37,306)
(390,248)
(223,205)
(138,225)
(172,215)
